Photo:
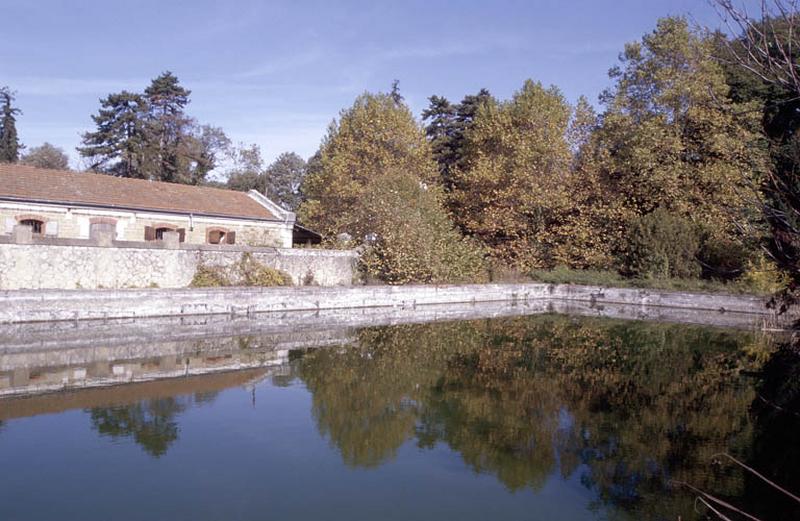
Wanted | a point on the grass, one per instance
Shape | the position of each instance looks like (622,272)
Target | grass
(562,275)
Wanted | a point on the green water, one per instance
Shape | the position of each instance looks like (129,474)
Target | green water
(548,418)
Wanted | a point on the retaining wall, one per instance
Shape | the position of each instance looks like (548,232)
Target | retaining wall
(77,263)
(55,305)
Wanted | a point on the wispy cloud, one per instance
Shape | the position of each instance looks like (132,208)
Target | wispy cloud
(53,86)
(447,49)
(285,62)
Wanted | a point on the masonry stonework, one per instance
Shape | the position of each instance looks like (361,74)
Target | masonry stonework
(77,264)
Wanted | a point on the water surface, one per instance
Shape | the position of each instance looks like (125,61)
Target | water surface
(546,417)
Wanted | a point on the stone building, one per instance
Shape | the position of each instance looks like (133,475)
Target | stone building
(73,205)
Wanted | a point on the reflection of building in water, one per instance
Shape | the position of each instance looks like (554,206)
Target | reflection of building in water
(27,371)
(120,395)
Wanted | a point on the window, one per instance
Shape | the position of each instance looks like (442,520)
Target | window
(160,233)
(216,237)
(156,233)
(37,225)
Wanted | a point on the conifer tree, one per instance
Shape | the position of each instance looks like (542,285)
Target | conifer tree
(9,140)
(119,146)
(166,124)
(446,128)
(149,136)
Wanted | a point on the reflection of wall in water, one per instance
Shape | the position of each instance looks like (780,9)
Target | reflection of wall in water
(52,370)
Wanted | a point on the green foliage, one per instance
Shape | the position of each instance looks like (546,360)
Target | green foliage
(764,276)
(672,138)
(445,129)
(610,278)
(755,82)
(46,156)
(9,140)
(283,178)
(662,245)
(149,136)
(374,178)
(247,272)
(246,173)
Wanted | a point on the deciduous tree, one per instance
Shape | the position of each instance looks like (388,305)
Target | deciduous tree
(46,156)
(672,138)
(511,186)
(375,179)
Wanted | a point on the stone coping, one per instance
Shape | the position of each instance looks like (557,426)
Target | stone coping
(18,306)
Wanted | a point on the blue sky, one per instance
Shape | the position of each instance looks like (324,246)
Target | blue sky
(276,73)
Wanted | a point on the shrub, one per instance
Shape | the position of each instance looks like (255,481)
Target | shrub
(253,273)
(662,245)
(247,272)
(724,258)
(762,276)
(209,277)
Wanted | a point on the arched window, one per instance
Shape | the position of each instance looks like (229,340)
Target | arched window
(102,224)
(216,237)
(36,224)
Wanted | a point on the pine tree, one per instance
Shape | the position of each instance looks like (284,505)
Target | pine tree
(166,124)
(446,128)
(119,145)
(149,136)
(9,140)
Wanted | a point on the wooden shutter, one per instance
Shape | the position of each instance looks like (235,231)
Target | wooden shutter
(181,234)
(231,237)
(149,233)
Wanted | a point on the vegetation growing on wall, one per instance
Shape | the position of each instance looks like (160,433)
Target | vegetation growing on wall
(246,272)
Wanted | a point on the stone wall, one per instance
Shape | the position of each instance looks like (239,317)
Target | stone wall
(76,264)
(105,305)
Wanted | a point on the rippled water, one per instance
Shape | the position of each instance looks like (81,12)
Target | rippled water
(545,417)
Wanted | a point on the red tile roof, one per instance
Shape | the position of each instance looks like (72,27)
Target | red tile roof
(30,184)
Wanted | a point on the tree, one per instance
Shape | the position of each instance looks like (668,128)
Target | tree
(247,171)
(761,66)
(446,126)
(9,140)
(375,179)
(283,178)
(46,156)
(149,136)
(510,187)
(119,146)
(166,126)
(672,138)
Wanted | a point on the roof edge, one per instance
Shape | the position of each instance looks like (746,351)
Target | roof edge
(276,209)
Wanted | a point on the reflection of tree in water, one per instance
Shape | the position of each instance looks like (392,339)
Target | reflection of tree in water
(151,423)
(626,407)
(776,443)
(364,397)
